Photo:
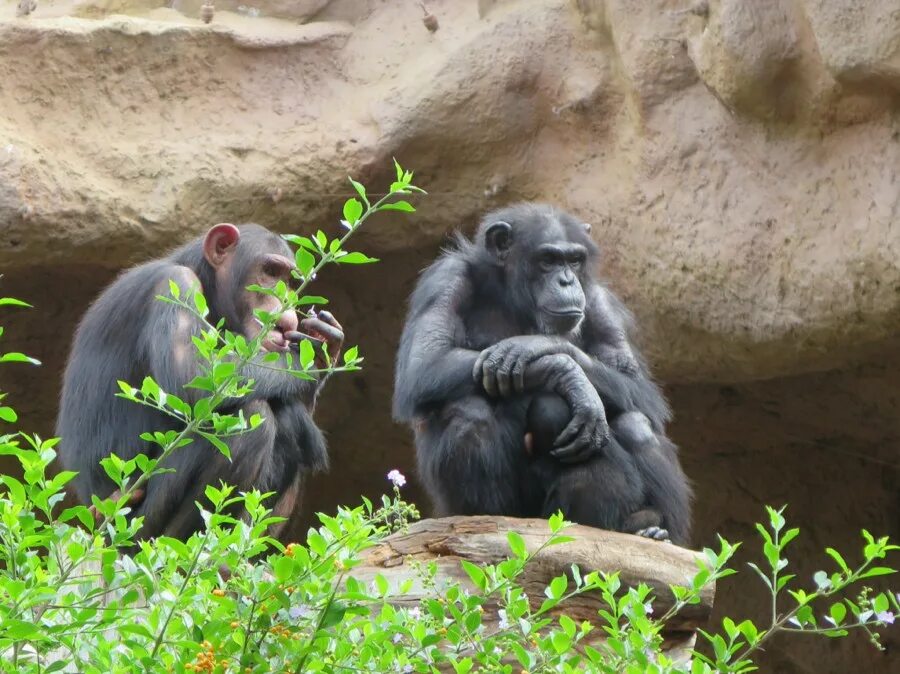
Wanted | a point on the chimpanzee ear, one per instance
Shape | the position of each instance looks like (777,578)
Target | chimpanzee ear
(498,238)
(587,227)
(220,242)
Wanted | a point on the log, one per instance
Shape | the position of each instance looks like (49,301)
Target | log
(483,540)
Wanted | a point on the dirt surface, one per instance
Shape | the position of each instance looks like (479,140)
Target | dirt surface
(738,162)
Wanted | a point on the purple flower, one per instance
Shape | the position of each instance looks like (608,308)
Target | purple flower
(648,608)
(415,613)
(397,478)
(886,617)
(301,611)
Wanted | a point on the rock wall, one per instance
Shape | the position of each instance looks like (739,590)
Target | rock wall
(738,160)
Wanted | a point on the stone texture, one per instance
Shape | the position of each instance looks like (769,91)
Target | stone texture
(738,161)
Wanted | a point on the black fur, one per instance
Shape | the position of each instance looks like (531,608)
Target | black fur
(470,436)
(126,335)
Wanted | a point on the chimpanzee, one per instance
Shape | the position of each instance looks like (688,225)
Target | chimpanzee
(524,393)
(127,334)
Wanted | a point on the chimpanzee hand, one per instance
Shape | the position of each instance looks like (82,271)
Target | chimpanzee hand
(501,368)
(323,330)
(588,431)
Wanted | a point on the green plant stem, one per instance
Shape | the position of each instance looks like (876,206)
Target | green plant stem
(187,577)
(320,621)
(778,626)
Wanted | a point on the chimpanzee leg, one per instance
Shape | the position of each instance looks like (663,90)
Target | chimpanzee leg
(548,414)
(602,492)
(666,486)
(472,459)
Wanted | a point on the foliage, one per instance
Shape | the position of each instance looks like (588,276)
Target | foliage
(78,594)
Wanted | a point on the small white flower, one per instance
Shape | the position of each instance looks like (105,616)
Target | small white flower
(794,621)
(301,611)
(648,608)
(397,637)
(415,613)
(397,478)
(886,617)
(504,623)
(346,224)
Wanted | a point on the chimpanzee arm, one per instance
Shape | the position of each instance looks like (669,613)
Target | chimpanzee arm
(166,338)
(587,431)
(432,364)
(608,360)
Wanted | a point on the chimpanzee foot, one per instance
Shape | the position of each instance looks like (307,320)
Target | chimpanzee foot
(654,533)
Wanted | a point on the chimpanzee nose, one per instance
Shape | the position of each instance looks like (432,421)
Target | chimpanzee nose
(288,322)
(566,278)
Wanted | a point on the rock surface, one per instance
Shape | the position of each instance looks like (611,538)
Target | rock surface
(738,160)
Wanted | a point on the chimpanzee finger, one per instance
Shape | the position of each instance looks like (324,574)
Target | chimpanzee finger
(295,338)
(477,374)
(329,318)
(328,331)
(572,429)
(572,452)
(518,376)
(503,381)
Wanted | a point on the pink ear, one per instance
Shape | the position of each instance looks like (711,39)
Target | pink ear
(219,242)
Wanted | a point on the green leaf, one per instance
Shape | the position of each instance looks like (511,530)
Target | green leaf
(13,302)
(361,190)
(200,303)
(15,357)
(149,388)
(218,444)
(351,354)
(399,170)
(8,414)
(836,556)
(311,299)
(16,489)
(305,261)
(475,573)
(401,205)
(352,210)
(174,290)
(880,603)
(307,354)
(877,571)
(557,587)
(355,258)
(19,629)
(838,612)
(516,544)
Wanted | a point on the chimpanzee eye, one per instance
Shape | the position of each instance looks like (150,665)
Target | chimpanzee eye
(547,261)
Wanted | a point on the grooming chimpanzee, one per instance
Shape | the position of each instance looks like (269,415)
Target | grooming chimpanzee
(127,334)
(523,390)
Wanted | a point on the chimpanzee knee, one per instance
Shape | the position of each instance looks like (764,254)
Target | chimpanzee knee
(547,416)
(601,492)
(633,431)
(471,461)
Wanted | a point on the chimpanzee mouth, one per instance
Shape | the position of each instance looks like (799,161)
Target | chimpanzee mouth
(275,341)
(568,313)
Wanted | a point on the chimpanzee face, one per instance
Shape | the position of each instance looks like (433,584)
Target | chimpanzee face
(247,256)
(556,286)
(546,256)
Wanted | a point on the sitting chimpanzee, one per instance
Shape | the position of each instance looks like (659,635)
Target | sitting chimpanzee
(512,359)
(127,335)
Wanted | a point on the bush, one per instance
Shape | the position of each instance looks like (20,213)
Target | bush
(78,594)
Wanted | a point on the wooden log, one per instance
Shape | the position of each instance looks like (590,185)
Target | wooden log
(483,540)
